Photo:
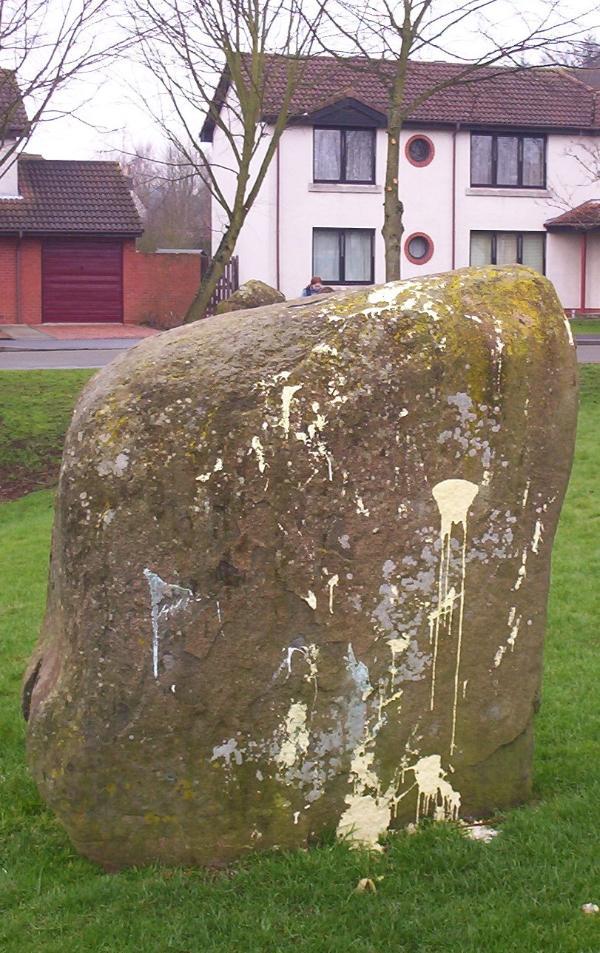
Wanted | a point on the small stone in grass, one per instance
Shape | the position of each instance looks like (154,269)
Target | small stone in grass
(481,832)
(365,885)
(590,909)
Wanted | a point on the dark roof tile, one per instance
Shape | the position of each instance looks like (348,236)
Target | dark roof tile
(584,217)
(544,97)
(71,196)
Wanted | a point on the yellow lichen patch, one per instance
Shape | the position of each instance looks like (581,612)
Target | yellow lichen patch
(185,789)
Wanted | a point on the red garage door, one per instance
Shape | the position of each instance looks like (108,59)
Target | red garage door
(82,281)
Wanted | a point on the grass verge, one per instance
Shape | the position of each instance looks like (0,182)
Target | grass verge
(35,410)
(583,326)
(439,893)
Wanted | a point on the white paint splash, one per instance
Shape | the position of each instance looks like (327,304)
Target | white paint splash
(569,331)
(260,454)
(361,509)
(287,395)
(295,736)
(331,583)
(310,599)
(309,655)
(165,599)
(522,573)
(434,792)
(365,819)
(514,623)
(454,499)
(537,536)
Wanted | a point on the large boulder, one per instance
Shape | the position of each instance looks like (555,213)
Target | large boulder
(252,294)
(299,572)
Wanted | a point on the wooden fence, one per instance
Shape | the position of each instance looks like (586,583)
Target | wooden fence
(228,283)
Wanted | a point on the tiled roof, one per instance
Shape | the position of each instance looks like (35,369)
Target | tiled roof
(13,118)
(544,97)
(584,217)
(76,197)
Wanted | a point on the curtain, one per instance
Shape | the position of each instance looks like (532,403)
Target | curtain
(328,155)
(481,160)
(357,256)
(359,155)
(506,248)
(326,254)
(508,163)
(533,161)
(533,251)
(481,249)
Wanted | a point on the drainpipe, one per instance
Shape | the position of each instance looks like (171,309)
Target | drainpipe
(277,219)
(454,131)
(583,270)
(18,278)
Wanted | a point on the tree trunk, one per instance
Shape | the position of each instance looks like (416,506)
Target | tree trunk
(392,206)
(213,273)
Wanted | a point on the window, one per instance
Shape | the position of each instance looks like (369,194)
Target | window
(509,248)
(508,160)
(344,155)
(419,150)
(418,248)
(343,255)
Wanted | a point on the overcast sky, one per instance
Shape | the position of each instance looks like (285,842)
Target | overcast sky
(111,117)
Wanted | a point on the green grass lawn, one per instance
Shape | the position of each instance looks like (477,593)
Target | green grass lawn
(439,892)
(35,409)
(583,326)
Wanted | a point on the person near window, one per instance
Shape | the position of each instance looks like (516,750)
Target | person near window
(316,287)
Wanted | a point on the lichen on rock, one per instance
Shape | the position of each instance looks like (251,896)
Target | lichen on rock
(299,572)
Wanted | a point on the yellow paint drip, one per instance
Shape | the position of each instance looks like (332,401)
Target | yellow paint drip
(454,499)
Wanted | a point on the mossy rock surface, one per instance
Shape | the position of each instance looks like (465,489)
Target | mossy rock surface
(252,294)
(299,571)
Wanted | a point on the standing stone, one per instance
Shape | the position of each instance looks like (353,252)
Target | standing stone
(300,569)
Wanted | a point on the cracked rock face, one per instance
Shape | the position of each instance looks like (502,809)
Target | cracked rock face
(299,572)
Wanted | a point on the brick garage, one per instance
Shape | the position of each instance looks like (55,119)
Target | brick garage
(67,251)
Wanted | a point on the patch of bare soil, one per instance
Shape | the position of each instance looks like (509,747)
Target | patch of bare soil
(15,483)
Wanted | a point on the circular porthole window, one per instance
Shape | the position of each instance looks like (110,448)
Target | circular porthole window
(419,150)
(418,248)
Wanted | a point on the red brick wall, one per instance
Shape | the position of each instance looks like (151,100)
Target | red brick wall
(158,288)
(7,280)
(30,305)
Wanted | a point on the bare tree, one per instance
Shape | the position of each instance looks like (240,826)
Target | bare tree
(175,202)
(388,35)
(44,46)
(211,58)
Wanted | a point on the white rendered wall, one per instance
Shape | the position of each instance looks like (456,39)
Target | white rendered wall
(427,195)
(9,173)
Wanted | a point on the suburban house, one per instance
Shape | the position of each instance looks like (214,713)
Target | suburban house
(68,234)
(497,171)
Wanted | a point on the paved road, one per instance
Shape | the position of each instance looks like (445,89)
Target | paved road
(56,360)
(72,357)
(588,353)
